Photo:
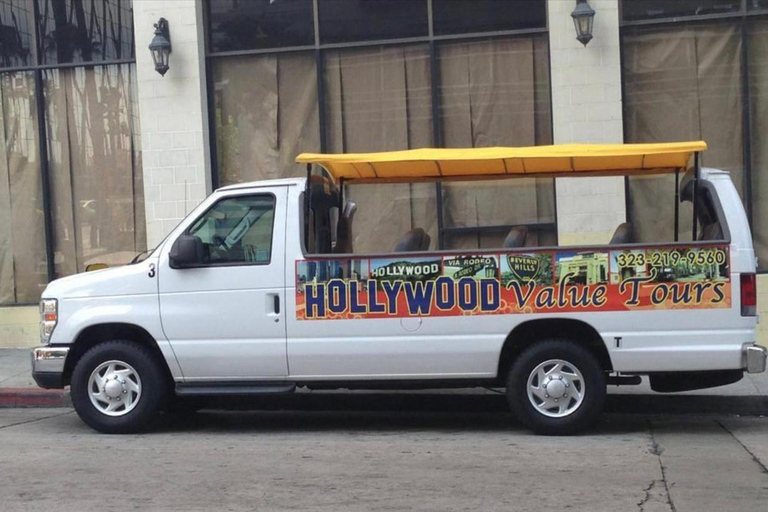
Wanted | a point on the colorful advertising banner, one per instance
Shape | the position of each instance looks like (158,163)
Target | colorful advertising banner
(510,283)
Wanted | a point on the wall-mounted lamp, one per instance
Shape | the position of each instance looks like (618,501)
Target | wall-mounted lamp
(161,46)
(583,17)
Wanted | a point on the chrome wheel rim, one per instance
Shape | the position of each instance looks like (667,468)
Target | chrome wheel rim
(556,388)
(114,388)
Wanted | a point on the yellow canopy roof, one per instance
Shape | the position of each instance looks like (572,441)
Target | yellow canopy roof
(567,160)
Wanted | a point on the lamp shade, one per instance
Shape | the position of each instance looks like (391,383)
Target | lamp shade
(583,18)
(160,47)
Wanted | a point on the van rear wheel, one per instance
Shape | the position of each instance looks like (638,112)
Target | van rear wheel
(556,387)
(118,387)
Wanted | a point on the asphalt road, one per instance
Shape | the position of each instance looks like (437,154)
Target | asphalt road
(362,459)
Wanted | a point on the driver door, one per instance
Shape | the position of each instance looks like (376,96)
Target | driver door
(225,317)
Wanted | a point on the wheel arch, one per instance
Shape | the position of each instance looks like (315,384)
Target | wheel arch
(98,333)
(532,331)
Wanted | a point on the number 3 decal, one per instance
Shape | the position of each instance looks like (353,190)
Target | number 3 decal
(151,272)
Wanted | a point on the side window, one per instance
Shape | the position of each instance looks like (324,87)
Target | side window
(237,230)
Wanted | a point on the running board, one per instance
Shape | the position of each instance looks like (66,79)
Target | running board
(233,389)
(624,380)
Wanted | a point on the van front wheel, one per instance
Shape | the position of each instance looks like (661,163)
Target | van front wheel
(118,387)
(556,387)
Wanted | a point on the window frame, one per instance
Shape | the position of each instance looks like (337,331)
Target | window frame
(236,263)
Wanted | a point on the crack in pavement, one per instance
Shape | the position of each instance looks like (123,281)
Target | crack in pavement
(647,490)
(34,420)
(751,454)
(657,450)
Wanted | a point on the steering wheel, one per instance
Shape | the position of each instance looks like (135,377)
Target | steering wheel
(219,251)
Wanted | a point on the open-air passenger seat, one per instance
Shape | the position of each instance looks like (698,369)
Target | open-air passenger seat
(712,231)
(415,240)
(624,234)
(516,237)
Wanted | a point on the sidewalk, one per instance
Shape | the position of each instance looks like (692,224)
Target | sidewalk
(749,396)
(18,389)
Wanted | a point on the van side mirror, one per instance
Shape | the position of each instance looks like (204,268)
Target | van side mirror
(186,251)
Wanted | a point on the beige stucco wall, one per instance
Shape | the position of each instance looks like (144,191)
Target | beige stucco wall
(19,327)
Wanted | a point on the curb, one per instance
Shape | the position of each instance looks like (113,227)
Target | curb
(33,397)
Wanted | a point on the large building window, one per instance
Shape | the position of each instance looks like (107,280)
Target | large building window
(681,83)
(23,257)
(17,41)
(496,93)
(374,79)
(351,21)
(266,113)
(697,78)
(478,16)
(378,99)
(96,184)
(90,164)
(757,42)
(84,31)
(237,25)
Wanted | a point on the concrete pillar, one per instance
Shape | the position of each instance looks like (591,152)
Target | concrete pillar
(586,104)
(173,114)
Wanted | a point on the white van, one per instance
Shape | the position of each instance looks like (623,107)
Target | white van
(259,290)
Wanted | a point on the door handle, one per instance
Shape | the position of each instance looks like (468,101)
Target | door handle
(272,306)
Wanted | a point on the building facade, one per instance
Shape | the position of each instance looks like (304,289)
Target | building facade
(103,155)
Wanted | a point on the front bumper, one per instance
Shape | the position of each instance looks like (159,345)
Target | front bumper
(48,366)
(754,358)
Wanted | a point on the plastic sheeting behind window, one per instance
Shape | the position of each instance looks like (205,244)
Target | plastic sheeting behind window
(681,82)
(266,114)
(496,93)
(23,271)
(758,86)
(94,158)
(379,99)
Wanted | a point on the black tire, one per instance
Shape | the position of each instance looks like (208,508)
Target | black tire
(154,387)
(582,415)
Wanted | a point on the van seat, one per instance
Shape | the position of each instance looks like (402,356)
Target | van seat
(712,232)
(413,241)
(624,234)
(516,237)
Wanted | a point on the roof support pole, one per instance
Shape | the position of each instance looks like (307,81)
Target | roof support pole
(307,205)
(677,204)
(695,194)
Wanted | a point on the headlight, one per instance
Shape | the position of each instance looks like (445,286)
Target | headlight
(49,316)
